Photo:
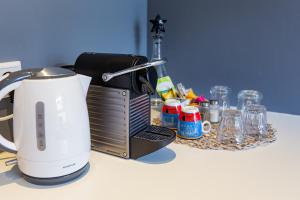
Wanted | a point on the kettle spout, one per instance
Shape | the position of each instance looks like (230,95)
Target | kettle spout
(85,82)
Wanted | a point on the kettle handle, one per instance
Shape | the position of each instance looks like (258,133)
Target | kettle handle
(6,145)
(8,84)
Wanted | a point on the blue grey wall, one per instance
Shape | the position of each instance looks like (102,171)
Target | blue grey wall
(55,32)
(252,44)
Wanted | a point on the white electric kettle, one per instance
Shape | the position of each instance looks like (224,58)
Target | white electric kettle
(50,123)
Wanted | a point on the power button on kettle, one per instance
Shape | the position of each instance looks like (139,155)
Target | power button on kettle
(40,125)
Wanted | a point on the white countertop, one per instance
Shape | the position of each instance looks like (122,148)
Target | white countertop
(181,172)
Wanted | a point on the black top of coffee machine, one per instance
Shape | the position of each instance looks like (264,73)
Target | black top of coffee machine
(95,64)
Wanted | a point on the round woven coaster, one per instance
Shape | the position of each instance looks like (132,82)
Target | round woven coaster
(209,141)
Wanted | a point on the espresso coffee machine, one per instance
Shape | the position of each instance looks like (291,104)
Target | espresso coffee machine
(119,104)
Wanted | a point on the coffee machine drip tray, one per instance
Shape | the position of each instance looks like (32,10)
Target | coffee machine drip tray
(149,140)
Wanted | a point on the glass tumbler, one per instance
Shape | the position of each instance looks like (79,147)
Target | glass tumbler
(248,97)
(255,120)
(222,95)
(231,129)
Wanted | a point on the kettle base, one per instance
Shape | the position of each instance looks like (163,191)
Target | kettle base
(57,180)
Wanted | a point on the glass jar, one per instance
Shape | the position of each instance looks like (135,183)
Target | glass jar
(222,95)
(248,97)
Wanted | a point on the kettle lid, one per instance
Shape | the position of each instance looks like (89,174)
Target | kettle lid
(36,73)
(50,72)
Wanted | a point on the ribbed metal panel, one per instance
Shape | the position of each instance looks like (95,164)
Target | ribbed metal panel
(109,120)
(114,118)
(139,114)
